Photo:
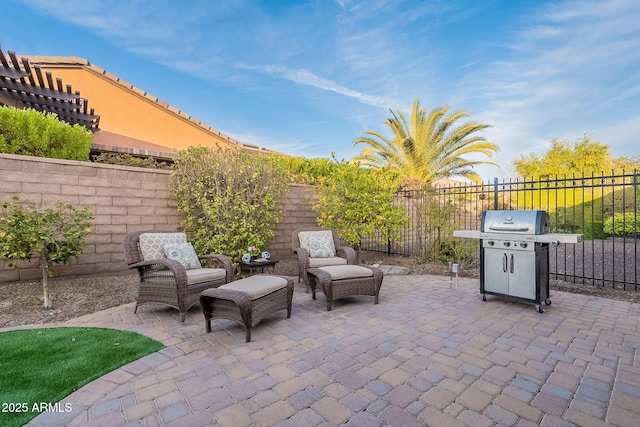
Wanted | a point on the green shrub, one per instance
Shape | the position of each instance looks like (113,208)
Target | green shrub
(126,159)
(621,224)
(358,202)
(451,249)
(231,199)
(33,133)
(306,171)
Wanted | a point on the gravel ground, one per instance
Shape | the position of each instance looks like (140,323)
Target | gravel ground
(21,303)
(607,261)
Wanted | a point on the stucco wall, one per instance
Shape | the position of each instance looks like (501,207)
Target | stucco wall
(128,110)
(123,199)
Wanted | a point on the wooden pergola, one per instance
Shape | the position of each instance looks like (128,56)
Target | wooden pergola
(24,86)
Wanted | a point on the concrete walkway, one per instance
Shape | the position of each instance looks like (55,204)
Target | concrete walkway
(426,355)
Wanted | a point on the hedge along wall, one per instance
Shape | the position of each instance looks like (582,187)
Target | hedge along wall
(123,199)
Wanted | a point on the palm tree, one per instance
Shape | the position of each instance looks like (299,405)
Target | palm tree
(429,148)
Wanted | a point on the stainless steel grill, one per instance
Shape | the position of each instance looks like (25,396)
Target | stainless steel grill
(514,254)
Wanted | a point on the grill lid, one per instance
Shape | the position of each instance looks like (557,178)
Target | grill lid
(515,222)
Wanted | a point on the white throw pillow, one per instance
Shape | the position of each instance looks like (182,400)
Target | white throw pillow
(321,247)
(184,253)
(306,236)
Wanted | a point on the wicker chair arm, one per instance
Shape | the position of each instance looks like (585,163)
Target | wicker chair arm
(151,272)
(348,253)
(302,252)
(303,261)
(226,262)
(160,264)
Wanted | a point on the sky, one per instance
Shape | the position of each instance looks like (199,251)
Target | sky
(307,78)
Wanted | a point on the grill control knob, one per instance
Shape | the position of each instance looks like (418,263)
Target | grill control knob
(491,243)
(507,244)
(523,245)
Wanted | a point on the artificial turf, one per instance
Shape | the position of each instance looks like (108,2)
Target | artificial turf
(40,367)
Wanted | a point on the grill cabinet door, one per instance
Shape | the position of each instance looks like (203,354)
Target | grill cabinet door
(496,276)
(522,272)
(510,272)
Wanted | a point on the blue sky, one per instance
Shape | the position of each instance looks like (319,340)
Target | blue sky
(308,77)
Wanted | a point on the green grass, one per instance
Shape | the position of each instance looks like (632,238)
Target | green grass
(40,367)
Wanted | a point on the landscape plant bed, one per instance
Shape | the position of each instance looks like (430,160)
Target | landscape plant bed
(21,302)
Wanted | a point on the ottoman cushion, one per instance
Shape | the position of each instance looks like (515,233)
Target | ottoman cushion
(257,286)
(339,272)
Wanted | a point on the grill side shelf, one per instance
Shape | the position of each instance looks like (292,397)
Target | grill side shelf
(467,234)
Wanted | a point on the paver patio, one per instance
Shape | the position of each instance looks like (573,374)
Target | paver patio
(426,355)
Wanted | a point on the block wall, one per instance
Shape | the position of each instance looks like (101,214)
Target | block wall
(122,199)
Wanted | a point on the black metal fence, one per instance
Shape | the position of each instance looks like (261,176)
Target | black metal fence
(604,208)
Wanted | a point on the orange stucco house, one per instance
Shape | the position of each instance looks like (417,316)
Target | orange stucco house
(128,119)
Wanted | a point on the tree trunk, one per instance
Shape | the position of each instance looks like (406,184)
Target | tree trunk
(45,279)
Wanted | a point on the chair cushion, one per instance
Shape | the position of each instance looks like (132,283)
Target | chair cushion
(200,275)
(321,247)
(184,253)
(339,272)
(152,244)
(257,286)
(320,262)
(306,236)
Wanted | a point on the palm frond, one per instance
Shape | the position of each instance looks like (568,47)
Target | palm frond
(427,146)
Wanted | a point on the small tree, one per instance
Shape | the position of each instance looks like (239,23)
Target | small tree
(54,235)
(358,202)
(583,156)
(231,198)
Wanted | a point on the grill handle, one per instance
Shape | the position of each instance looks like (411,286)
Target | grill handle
(498,228)
(504,262)
(511,263)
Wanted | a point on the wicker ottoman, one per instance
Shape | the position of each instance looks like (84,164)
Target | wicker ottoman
(247,301)
(339,281)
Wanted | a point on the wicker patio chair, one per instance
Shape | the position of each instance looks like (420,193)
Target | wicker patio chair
(344,255)
(167,281)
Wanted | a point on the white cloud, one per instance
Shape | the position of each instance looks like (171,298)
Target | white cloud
(563,69)
(568,72)
(157,33)
(305,77)
(289,144)
(621,136)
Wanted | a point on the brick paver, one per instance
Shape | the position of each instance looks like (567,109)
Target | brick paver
(426,355)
